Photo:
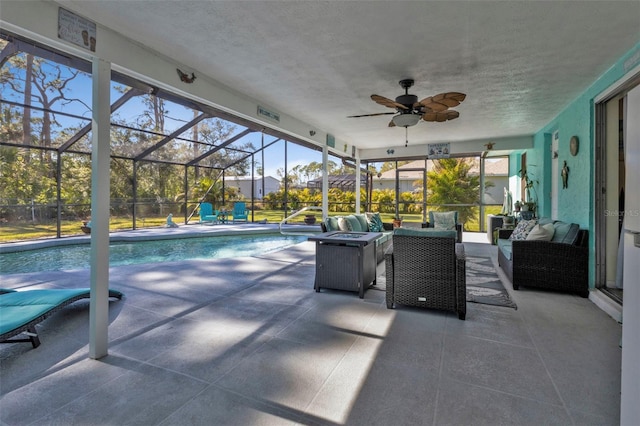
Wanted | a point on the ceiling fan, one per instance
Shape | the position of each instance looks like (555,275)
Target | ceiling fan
(409,111)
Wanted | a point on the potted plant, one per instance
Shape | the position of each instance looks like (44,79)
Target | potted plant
(529,205)
(508,221)
(310,219)
(86,226)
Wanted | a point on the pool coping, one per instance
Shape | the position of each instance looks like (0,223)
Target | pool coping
(162,233)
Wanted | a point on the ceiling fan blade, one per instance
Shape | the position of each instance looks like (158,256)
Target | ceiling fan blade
(371,115)
(451,96)
(443,101)
(387,102)
(433,105)
(441,115)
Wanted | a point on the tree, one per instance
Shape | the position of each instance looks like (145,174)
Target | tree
(43,83)
(450,183)
(391,165)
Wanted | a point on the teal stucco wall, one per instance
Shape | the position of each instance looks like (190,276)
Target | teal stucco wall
(577,202)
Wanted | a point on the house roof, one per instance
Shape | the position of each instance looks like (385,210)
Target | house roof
(498,166)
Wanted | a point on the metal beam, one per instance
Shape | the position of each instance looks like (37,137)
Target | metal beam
(250,154)
(171,136)
(219,147)
(9,50)
(86,129)
(51,55)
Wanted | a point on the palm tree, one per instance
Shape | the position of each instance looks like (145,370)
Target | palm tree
(450,183)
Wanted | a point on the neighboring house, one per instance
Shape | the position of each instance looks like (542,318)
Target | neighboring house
(410,175)
(343,182)
(243,184)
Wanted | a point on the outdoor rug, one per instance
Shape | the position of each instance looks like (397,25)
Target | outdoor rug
(484,285)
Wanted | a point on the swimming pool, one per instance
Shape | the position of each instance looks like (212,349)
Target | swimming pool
(76,256)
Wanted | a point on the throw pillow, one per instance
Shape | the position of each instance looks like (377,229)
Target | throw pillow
(332,224)
(374,222)
(362,220)
(444,220)
(354,224)
(344,224)
(522,229)
(541,232)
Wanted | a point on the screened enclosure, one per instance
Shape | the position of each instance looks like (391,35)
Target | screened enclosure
(168,153)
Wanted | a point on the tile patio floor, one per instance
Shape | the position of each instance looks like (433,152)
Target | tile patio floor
(247,341)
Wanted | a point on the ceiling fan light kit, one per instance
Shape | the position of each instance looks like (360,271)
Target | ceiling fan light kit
(406,120)
(409,111)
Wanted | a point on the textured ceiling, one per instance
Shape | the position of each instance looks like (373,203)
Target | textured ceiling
(520,63)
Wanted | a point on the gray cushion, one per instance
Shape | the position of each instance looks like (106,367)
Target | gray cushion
(350,223)
(332,224)
(362,219)
(384,238)
(432,220)
(545,220)
(505,246)
(572,235)
(562,229)
(425,232)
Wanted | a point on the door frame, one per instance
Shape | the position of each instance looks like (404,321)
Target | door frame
(619,88)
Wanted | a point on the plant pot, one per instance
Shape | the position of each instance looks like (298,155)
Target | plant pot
(526,215)
(397,223)
(310,219)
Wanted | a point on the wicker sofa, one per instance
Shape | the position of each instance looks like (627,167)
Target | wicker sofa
(361,223)
(560,264)
(426,269)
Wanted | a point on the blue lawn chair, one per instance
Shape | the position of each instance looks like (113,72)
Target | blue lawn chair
(240,212)
(207,214)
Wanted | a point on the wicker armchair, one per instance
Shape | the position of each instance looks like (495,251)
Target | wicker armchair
(427,271)
(459,226)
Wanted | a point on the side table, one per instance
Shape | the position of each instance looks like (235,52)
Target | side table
(222,216)
(345,260)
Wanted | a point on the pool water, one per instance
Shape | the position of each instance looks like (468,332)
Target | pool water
(130,253)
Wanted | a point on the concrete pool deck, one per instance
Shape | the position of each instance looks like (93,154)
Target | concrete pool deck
(247,341)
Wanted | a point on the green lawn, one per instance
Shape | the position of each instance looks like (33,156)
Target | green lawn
(26,231)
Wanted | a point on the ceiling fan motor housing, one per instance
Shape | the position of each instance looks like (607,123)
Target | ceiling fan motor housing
(407,100)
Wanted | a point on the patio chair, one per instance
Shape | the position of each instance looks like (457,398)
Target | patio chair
(20,311)
(240,212)
(448,219)
(426,269)
(207,214)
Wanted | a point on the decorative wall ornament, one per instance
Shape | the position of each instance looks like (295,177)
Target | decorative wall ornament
(574,145)
(184,77)
(565,176)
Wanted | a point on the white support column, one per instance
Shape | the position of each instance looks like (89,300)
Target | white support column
(325,182)
(100,163)
(357,185)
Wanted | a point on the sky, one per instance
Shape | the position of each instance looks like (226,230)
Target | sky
(80,88)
